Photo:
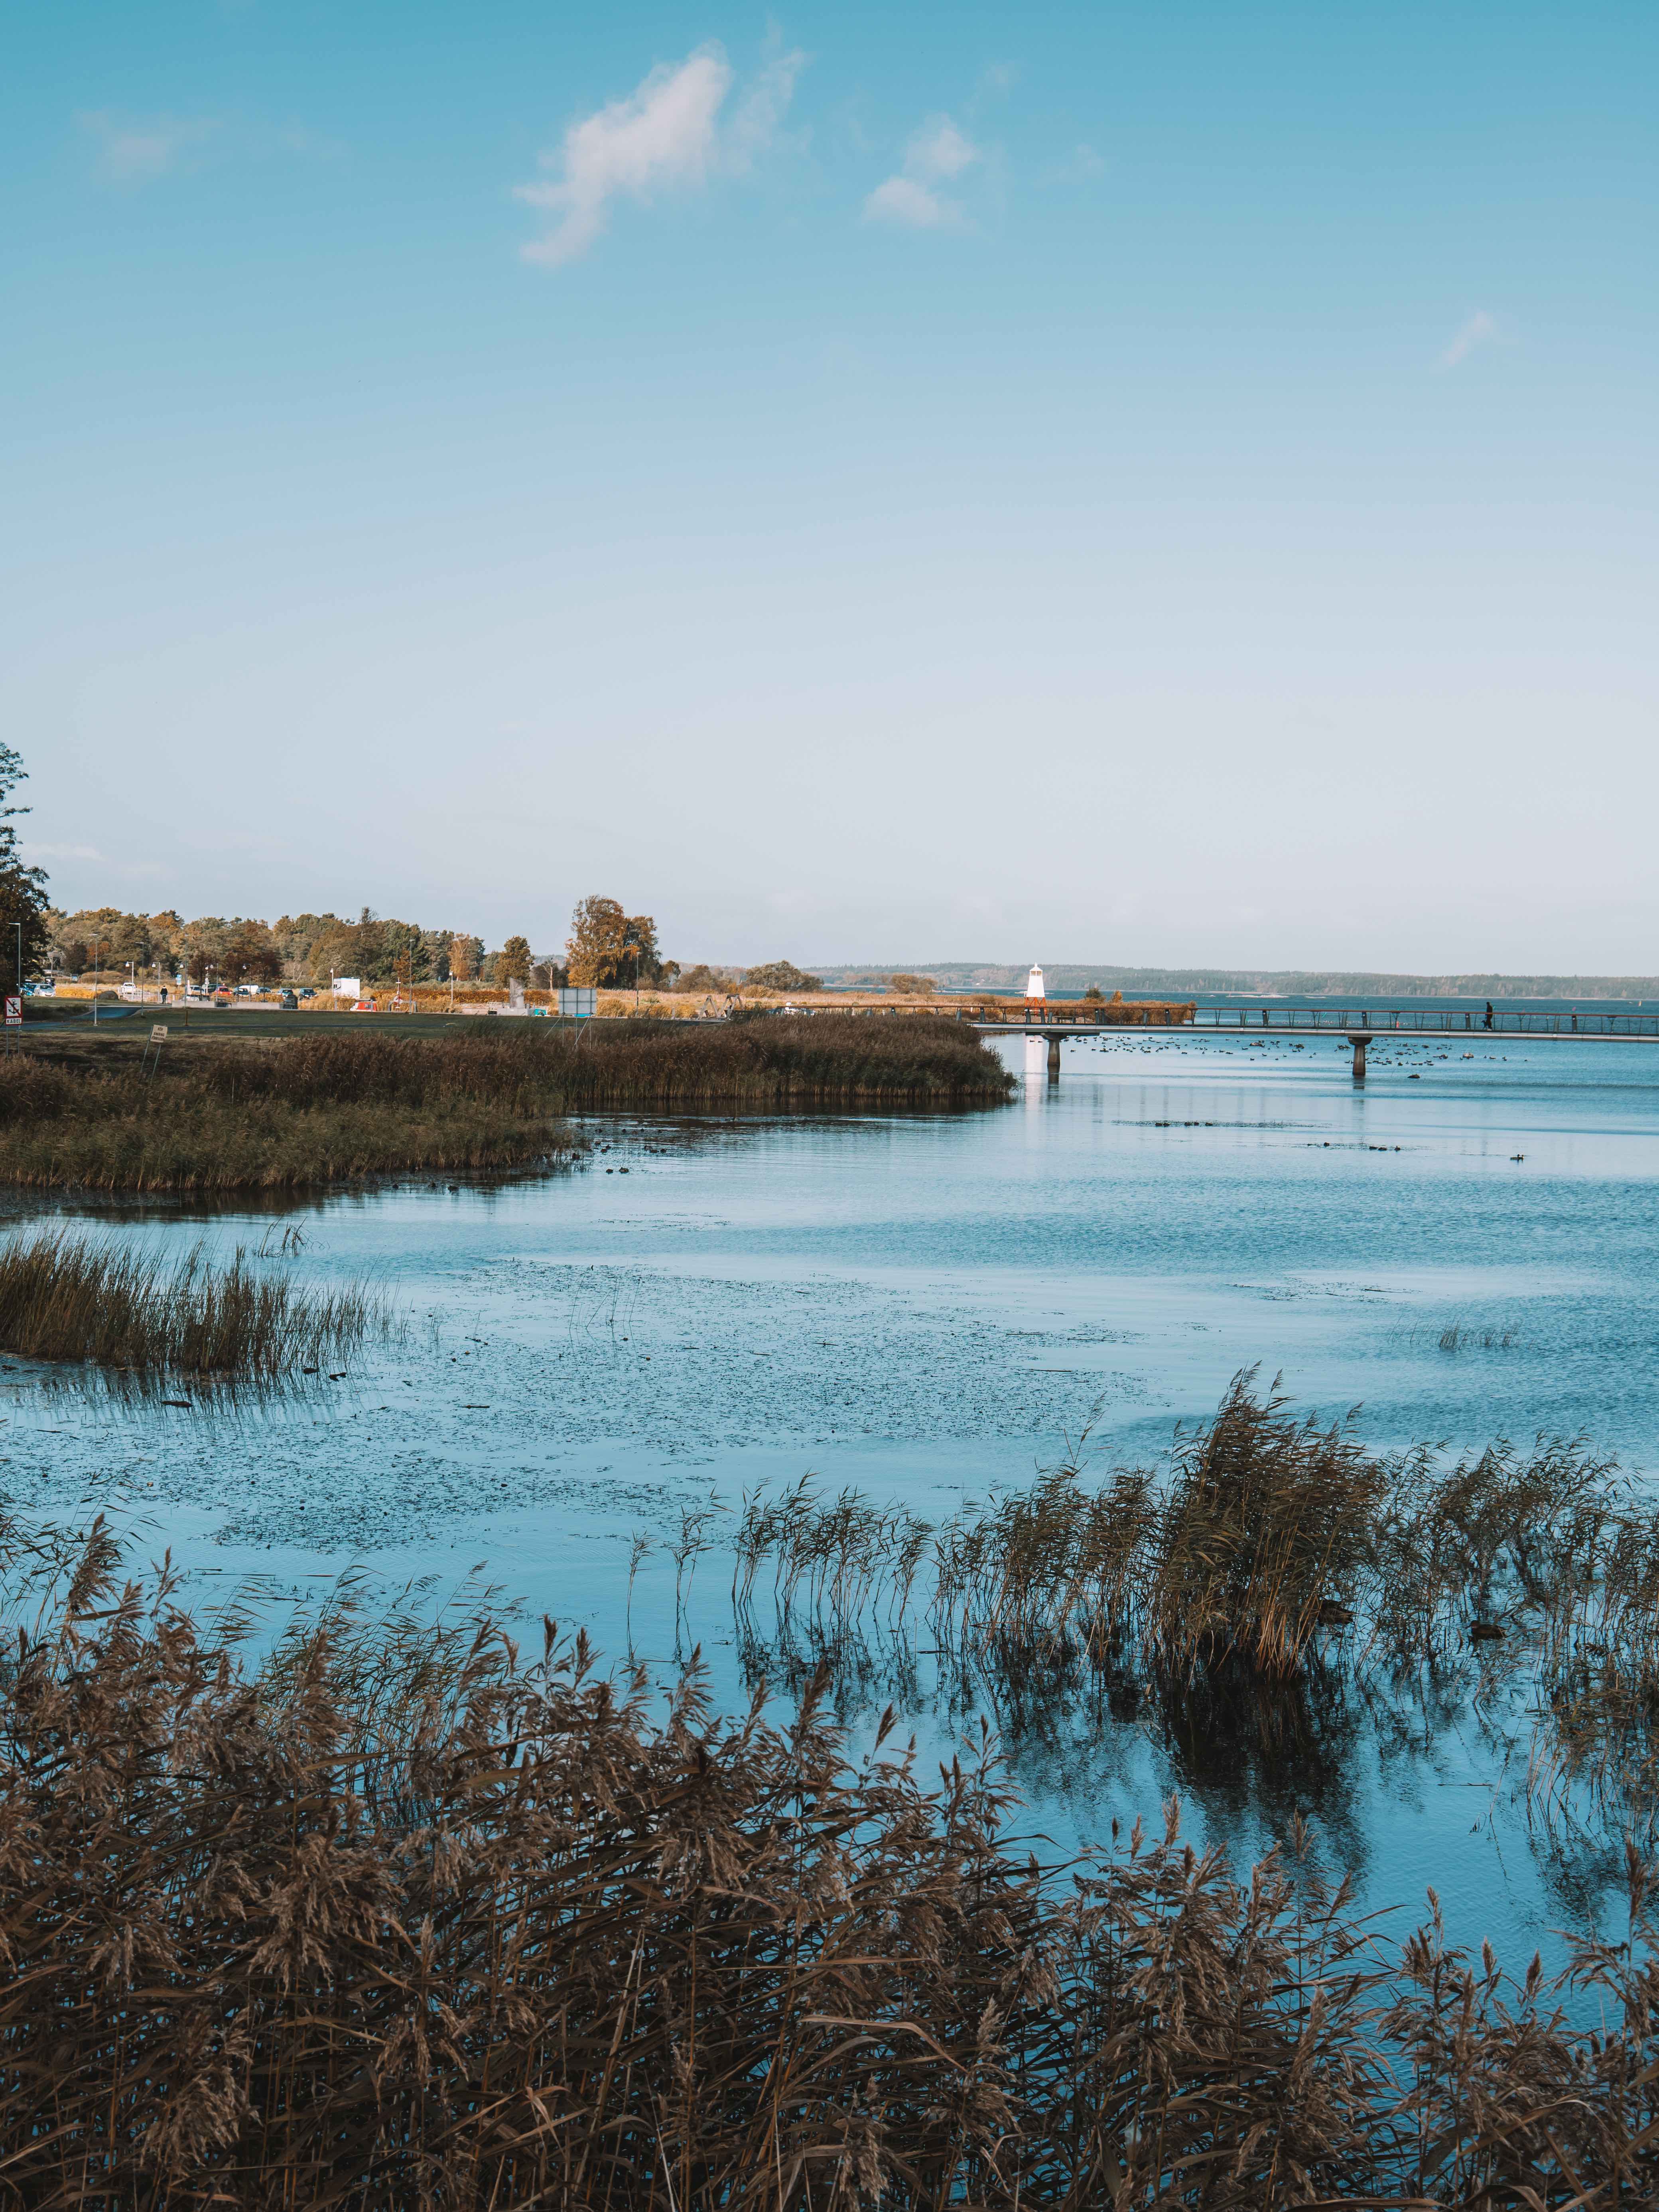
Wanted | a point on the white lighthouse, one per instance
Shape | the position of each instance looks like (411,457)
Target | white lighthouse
(1036,1047)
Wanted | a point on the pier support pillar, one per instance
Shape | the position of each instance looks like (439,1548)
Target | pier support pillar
(1359,1044)
(1053,1060)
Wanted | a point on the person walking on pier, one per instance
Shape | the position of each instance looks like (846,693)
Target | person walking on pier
(1488,1020)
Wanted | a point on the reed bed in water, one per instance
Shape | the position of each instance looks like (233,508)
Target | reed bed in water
(77,1297)
(1265,1536)
(305,1110)
(777,1061)
(1268,1546)
(271,1117)
(398,1918)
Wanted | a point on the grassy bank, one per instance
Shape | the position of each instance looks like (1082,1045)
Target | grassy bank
(70,1298)
(397,1918)
(340,1105)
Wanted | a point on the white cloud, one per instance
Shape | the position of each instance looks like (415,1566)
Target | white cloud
(903,199)
(33,852)
(939,149)
(665,136)
(1477,330)
(135,153)
(938,153)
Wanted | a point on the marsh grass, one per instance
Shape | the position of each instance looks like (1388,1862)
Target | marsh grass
(774,1061)
(400,1918)
(70,1298)
(1269,1553)
(327,1107)
(1464,1336)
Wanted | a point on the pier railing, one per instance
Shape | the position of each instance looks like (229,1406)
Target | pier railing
(1438,1021)
(1342,1021)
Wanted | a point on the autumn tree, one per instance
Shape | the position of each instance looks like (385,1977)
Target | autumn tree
(464,955)
(782,975)
(514,963)
(609,947)
(912,986)
(705,978)
(252,955)
(204,943)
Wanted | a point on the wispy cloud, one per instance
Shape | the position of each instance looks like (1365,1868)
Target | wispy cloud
(135,152)
(1476,330)
(937,155)
(758,120)
(1080,167)
(34,852)
(666,136)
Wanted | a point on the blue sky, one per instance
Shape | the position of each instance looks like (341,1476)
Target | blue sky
(1149,483)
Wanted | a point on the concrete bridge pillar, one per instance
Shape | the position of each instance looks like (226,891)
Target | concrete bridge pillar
(1359,1044)
(1053,1060)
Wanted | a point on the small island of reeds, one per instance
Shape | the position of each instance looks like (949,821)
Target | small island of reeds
(302,1111)
(118,1305)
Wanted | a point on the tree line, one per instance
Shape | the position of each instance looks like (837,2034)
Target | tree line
(607,948)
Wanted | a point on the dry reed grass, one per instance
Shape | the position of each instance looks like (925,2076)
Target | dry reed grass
(313,1110)
(1271,1550)
(76,1297)
(337,1105)
(771,1062)
(398,1919)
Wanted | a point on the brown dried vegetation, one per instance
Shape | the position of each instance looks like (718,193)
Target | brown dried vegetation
(395,1919)
(79,1298)
(320,1108)
(1271,1549)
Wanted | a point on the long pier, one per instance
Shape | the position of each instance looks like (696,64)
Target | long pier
(1057,1018)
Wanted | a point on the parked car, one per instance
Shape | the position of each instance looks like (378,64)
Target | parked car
(290,1003)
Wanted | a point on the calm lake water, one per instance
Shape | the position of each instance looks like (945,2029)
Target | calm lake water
(930,1308)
